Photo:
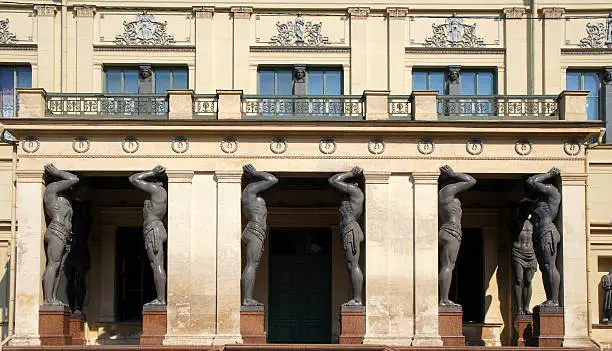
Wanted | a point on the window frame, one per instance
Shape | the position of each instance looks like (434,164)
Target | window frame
(14,68)
(599,98)
(123,68)
(290,69)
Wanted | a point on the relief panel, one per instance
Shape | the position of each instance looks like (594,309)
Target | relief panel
(17,27)
(455,31)
(144,28)
(300,30)
(588,31)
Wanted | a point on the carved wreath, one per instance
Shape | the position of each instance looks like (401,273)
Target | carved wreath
(144,30)
(455,34)
(298,33)
(6,37)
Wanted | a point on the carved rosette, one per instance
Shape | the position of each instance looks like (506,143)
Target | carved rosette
(523,147)
(376,146)
(299,33)
(474,146)
(144,30)
(572,147)
(30,144)
(229,145)
(81,144)
(278,145)
(327,145)
(454,34)
(180,144)
(130,144)
(6,36)
(426,146)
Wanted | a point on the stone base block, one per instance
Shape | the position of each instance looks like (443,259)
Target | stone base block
(54,325)
(523,324)
(353,324)
(252,325)
(77,330)
(450,325)
(154,324)
(548,326)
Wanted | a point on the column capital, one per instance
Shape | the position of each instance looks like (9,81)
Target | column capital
(204,11)
(179,176)
(241,12)
(374,177)
(579,179)
(45,10)
(228,176)
(426,177)
(84,10)
(358,12)
(397,12)
(553,12)
(514,12)
(30,176)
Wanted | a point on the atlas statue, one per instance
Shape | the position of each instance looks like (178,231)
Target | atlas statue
(546,237)
(449,235)
(154,232)
(524,264)
(78,261)
(254,234)
(58,236)
(350,210)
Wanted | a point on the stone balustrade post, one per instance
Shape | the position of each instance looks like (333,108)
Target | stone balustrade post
(572,105)
(229,104)
(32,102)
(375,104)
(229,226)
(180,104)
(30,257)
(426,331)
(424,105)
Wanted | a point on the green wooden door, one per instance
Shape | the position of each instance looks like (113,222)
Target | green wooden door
(299,302)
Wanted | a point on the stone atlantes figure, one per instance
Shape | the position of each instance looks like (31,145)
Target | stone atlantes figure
(606,284)
(449,236)
(58,235)
(78,261)
(546,237)
(254,234)
(352,235)
(524,264)
(154,232)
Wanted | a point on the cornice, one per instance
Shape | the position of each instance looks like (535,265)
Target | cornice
(586,51)
(179,176)
(30,176)
(376,177)
(430,178)
(574,178)
(21,47)
(228,176)
(464,51)
(148,48)
(300,49)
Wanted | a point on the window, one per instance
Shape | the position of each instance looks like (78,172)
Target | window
(477,83)
(472,82)
(125,80)
(319,81)
(587,81)
(11,78)
(430,80)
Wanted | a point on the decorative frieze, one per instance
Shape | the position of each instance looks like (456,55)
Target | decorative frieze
(6,36)
(45,10)
(397,12)
(241,12)
(84,10)
(514,12)
(204,11)
(299,33)
(596,36)
(359,12)
(454,33)
(553,12)
(144,30)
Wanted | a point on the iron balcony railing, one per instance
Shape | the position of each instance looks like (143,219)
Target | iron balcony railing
(497,106)
(205,106)
(400,106)
(113,105)
(303,106)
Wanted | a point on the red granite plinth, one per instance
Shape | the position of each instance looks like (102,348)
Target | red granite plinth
(450,325)
(523,324)
(548,328)
(353,324)
(54,325)
(252,325)
(154,324)
(77,330)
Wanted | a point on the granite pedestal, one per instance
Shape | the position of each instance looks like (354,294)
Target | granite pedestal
(154,324)
(54,325)
(450,324)
(353,324)
(548,326)
(523,324)
(77,329)
(252,327)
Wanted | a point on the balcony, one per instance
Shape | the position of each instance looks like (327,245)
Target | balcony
(371,105)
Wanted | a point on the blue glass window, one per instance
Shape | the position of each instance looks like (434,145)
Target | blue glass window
(586,81)
(279,81)
(477,83)
(429,80)
(11,78)
(125,80)
(167,79)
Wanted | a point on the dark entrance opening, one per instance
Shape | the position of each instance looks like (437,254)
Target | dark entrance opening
(467,286)
(299,302)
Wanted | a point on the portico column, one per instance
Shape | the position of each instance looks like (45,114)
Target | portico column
(426,259)
(397,43)
(573,202)
(553,40)
(45,15)
(228,256)
(84,47)
(242,37)
(204,49)
(30,257)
